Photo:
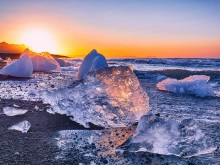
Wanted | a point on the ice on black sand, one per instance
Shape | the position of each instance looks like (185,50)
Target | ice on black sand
(11,111)
(23,126)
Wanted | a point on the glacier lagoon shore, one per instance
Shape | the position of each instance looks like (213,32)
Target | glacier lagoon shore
(56,139)
(53,138)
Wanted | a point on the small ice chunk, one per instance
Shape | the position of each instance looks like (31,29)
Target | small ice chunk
(88,155)
(15,105)
(91,62)
(11,111)
(36,107)
(17,153)
(108,97)
(19,68)
(42,84)
(196,85)
(23,126)
(42,61)
(168,137)
(32,92)
(49,110)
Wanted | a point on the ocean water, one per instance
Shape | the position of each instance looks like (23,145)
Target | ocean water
(191,64)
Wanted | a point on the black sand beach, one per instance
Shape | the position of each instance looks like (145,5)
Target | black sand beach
(36,146)
(40,144)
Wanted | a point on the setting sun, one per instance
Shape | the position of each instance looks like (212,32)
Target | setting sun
(39,40)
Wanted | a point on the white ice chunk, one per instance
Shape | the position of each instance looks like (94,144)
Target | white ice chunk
(91,62)
(19,68)
(49,110)
(11,111)
(42,61)
(36,107)
(196,85)
(23,126)
(15,105)
(32,92)
(108,97)
(168,137)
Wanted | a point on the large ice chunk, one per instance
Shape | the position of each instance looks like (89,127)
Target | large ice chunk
(107,97)
(11,111)
(168,137)
(196,85)
(91,62)
(19,68)
(42,61)
(23,126)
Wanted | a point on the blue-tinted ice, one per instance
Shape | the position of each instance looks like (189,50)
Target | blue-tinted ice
(196,85)
(107,97)
(42,61)
(91,62)
(19,68)
(168,137)
(23,126)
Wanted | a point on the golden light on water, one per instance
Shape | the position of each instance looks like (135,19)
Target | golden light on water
(40,40)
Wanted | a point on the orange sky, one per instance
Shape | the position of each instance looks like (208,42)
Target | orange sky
(151,30)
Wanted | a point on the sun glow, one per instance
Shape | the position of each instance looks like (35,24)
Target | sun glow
(39,40)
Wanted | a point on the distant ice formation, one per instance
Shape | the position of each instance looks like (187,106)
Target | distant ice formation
(11,111)
(91,62)
(60,61)
(19,68)
(42,61)
(8,60)
(29,62)
(23,126)
(108,97)
(168,137)
(196,85)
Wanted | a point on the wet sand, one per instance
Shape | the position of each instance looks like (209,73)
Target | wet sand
(36,146)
